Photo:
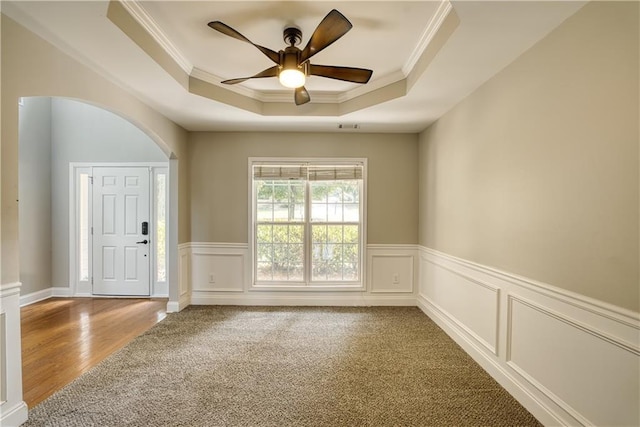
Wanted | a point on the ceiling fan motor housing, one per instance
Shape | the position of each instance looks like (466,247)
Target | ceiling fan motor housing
(290,60)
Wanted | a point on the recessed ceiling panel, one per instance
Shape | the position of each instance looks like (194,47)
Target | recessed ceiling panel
(383,37)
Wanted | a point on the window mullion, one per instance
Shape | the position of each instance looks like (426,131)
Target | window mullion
(307,233)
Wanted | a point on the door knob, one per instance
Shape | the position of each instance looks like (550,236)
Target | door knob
(144,242)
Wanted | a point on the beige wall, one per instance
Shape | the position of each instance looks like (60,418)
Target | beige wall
(219,179)
(32,67)
(536,173)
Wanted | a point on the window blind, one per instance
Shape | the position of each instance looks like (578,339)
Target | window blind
(334,173)
(272,172)
(308,172)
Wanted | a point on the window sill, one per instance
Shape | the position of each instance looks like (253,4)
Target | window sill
(325,287)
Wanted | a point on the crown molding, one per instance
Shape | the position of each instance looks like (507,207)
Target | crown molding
(378,83)
(143,18)
(213,79)
(427,36)
(277,96)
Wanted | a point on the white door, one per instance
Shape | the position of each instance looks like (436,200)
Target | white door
(121,251)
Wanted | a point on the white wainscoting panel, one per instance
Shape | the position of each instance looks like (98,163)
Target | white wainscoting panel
(391,268)
(568,359)
(220,273)
(184,265)
(470,303)
(219,267)
(13,410)
(561,357)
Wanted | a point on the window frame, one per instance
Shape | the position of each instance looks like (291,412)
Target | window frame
(76,169)
(308,284)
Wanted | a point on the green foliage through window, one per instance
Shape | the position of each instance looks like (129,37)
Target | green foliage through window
(300,223)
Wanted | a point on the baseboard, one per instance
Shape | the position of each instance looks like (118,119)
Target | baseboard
(47,293)
(15,416)
(563,356)
(181,304)
(281,299)
(35,296)
(160,295)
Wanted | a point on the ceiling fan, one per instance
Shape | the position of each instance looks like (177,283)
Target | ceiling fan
(293,64)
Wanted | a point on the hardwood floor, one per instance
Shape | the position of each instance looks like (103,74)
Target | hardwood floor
(64,337)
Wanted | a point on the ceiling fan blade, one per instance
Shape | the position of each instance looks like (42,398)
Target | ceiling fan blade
(269,72)
(349,74)
(330,29)
(301,96)
(227,30)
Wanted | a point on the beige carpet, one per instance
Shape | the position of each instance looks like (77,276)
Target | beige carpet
(281,366)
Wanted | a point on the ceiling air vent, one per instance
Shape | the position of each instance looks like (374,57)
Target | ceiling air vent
(348,126)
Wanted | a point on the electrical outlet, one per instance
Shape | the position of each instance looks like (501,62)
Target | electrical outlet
(212,278)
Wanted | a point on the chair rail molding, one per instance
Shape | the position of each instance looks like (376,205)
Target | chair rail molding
(568,359)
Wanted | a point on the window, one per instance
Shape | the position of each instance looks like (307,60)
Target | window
(83,227)
(307,223)
(160,208)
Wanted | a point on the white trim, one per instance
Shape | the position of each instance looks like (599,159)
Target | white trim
(207,77)
(444,314)
(175,307)
(608,337)
(389,276)
(121,164)
(213,245)
(84,288)
(143,18)
(13,410)
(427,36)
(65,292)
(542,412)
(34,297)
(137,11)
(195,287)
(277,96)
(393,247)
(598,307)
(598,333)
(361,284)
(276,299)
(282,96)
(8,289)
(15,416)
(199,259)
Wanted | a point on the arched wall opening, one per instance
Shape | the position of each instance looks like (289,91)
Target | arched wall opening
(32,66)
(57,137)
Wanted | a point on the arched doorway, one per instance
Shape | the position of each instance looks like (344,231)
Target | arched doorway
(61,141)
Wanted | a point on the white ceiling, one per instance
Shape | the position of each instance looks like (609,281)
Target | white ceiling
(386,37)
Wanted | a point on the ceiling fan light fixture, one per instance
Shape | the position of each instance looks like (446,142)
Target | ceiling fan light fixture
(292,64)
(292,78)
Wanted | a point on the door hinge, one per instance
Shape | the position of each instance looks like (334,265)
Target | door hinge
(91,180)
(92,280)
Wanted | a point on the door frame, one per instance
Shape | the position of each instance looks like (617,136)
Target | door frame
(84,288)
